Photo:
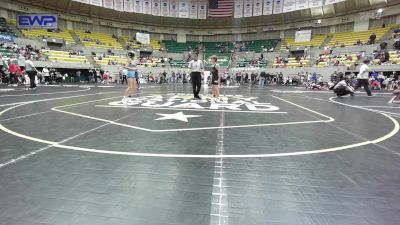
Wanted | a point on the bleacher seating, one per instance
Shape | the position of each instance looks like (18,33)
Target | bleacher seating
(218,47)
(5,29)
(258,45)
(93,39)
(178,63)
(343,59)
(291,63)
(154,43)
(251,63)
(63,56)
(43,33)
(351,38)
(6,52)
(175,47)
(109,59)
(394,57)
(224,59)
(316,41)
(130,42)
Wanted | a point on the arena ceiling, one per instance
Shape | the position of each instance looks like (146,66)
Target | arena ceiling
(338,9)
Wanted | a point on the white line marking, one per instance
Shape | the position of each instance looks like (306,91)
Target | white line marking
(28,115)
(50,99)
(12,161)
(182,109)
(219,202)
(329,119)
(375,106)
(47,93)
(396,129)
(364,108)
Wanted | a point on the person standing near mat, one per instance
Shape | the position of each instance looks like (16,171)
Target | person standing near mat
(131,66)
(197,69)
(31,71)
(363,77)
(216,74)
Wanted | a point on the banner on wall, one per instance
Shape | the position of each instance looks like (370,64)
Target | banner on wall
(128,5)
(303,35)
(301,4)
(328,2)
(155,8)
(183,8)
(173,8)
(143,38)
(164,7)
(257,7)
(289,5)
(6,38)
(268,7)
(193,9)
(147,7)
(278,6)
(314,3)
(119,5)
(238,11)
(37,21)
(97,2)
(248,8)
(109,4)
(82,1)
(138,6)
(202,9)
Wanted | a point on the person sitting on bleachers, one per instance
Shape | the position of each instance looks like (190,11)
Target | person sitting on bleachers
(359,42)
(372,38)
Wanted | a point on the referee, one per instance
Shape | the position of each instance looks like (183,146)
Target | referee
(197,68)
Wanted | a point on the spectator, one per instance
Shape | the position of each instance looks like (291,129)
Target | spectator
(12,69)
(372,38)
(46,75)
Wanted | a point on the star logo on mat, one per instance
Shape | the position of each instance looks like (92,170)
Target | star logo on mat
(176,116)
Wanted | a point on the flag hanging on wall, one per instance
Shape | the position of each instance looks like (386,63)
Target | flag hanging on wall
(128,5)
(289,5)
(138,6)
(278,6)
(238,9)
(183,8)
(96,2)
(268,7)
(109,4)
(220,8)
(82,1)
(147,7)
(193,9)
(257,7)
(119,5)
(314,3)
(164,7)
(155,8)
(301,4)
(173,8)
(248,8)
(202,9)
(328,2)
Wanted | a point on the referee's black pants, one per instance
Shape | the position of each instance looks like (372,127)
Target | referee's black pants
(196,81)
(365,84)
(31,75)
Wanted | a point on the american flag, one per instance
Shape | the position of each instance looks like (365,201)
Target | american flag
(220,8)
